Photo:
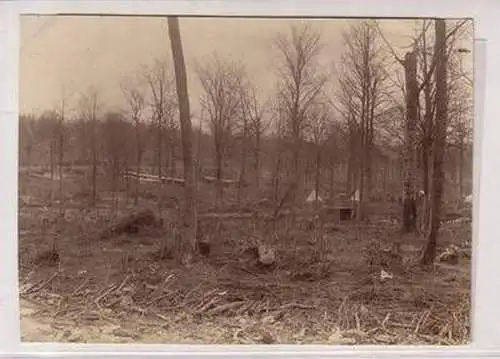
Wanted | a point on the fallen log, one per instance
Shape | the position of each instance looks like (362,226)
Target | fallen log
(249,215)
(220,216)
(131,224)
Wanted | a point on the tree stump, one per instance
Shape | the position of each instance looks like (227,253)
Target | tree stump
(267,255)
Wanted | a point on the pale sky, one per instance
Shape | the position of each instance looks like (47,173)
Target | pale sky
(76,52)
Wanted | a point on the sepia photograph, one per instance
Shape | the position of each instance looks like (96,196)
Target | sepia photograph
(245,180)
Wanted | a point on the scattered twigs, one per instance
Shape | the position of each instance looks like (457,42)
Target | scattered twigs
(207,305)
(159,298)
(386,320)
(349,298)
(35,288)
(125,281)
(97,301)
(422,320)
(31,287)
(79,287)
(296,306)
(225,307)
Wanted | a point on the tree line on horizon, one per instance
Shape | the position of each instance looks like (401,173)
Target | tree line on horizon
(382,124)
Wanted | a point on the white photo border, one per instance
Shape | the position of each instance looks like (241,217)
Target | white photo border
(486,312)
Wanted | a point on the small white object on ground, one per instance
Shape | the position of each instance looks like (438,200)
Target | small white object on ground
(385,275)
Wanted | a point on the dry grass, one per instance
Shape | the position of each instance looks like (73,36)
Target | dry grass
(325,287)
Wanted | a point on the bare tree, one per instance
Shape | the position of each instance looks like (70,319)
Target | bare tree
(319,118)
(427,105)
(426,124)
(257,126)
(440,140)
(48,125)
(361,97)
(301,82)
(89,107)
(243,135)
(251,128)
(279,149)
(61,127)
(409,157)
(460,113)
(27,139)
(221,82)
(163,105)
(336,139)
(186,130)
(116,135)
(414,87)
(136,103)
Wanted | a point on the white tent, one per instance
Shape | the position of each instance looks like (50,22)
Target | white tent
(355,196)
(312,197)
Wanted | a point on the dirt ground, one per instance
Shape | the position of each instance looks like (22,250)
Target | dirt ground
(333,283)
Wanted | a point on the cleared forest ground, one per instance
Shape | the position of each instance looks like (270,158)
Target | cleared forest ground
(336,283)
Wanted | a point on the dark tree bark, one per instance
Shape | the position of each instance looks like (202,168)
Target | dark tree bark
(243,159)
(136,103)
(318,177)
(461,162)
(186,130)
(93,193)
(257,158)
(427,139)
(61,150)
(439,142)
(52,146)
(409,193)
(300,85)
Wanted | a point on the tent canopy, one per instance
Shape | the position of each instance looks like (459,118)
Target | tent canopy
(312,197)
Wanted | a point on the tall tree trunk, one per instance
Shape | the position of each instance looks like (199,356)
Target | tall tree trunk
(331,179)
(159,154)
(306,173)
(52,169)
(384,182)
(114,177)
(276,177)
(369,140)
(318,177)
(427,147)
(360,185)
(127,183)
(350,175)
(170,150)
(257,159)
(275,183)
(198,168)
(173,162)
(409,192)
(461,166)
(353,161)
(243,164)
(425,184)
(166,157)
(186,130)
(93,195)
(218,174)
(439,142)
(138,166)
(61,154)
(298,171)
